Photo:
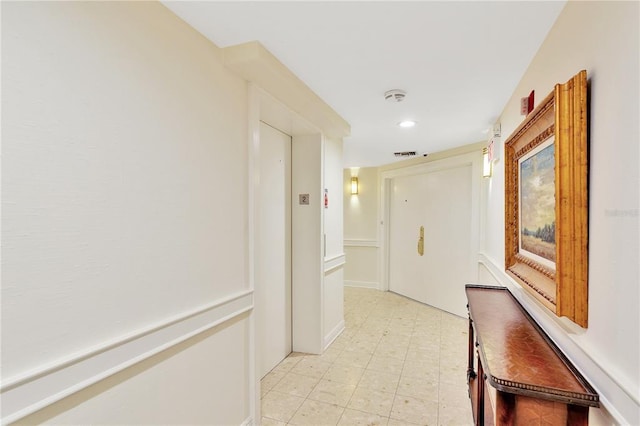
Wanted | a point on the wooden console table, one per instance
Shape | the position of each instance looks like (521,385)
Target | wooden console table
(533,381)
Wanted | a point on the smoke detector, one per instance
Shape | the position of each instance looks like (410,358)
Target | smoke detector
(395,95)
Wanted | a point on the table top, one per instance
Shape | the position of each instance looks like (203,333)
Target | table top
(517,356)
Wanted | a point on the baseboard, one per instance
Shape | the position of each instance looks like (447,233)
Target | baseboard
(248,421)
(607,383)
(333,335)
(362,284)
(33,390)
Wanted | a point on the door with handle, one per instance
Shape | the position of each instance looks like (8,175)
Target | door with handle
(435,209)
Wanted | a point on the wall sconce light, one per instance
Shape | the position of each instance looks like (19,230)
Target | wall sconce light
(486,164)
(354,185)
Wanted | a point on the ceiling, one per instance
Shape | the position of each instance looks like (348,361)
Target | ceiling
(459,62)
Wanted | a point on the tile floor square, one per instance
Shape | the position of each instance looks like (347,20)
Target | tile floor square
(414,410)
(383,382)
(332,393)
(344,374)
(360,418)
(280,406)
(317,413)
(311,367)
(371,401)
(296,384)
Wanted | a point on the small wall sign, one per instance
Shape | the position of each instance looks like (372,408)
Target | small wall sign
(526,104)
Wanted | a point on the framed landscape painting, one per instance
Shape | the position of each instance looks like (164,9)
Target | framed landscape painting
(537,204)
(546,203)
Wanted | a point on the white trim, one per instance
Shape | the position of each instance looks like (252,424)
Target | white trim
(247,422)
(384,212)
(253,215)
(333,335)
(609,385)
(491,265)
(256,64)
(334,262)
(361,243)
(33,390)
(362,284)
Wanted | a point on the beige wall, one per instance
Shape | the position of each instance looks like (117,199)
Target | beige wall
(601,37)
(361,228)
(362,216)
(124,218)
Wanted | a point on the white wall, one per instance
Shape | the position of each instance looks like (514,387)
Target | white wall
(601,37)
(124,212)
(334,258)
(307,244)
(317,254)
(182,385)
(333,214)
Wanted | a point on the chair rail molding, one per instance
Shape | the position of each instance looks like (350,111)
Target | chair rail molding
(33,390)
(334,262)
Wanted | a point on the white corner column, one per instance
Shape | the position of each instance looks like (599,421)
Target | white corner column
(307,245)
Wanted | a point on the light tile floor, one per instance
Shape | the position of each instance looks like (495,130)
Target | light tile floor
(398,362)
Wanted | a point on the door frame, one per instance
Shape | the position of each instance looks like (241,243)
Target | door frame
(473,159)
(263,107)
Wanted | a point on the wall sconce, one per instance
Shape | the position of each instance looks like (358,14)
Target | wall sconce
(354,185)
(486,164)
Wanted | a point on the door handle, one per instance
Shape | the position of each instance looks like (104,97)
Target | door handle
(421,242)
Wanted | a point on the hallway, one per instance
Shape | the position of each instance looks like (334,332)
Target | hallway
(398,362)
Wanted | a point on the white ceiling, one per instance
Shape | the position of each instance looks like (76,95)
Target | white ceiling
(458,61)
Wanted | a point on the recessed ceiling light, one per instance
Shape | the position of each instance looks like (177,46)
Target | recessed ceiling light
(407,123)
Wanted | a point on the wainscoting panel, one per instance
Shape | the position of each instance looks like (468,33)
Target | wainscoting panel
(333,303)
(25,394)
(361,268)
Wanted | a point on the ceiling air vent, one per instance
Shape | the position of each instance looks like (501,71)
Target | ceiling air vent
(405,154)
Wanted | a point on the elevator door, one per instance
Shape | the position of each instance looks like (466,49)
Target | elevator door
(273,275)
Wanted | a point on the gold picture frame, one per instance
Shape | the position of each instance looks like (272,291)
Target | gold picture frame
(547,154)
